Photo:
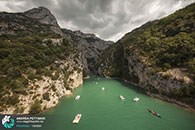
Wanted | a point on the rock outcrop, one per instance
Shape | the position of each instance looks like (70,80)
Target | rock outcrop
(46,62)
(47,65)
(60,78)
(43,15)
(90,45)
(34,20)
(158,57)
(18,23)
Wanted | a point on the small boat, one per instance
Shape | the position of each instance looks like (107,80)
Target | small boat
(136,99)
(154,113)
(77,118)
(122,97)
(77,97)
(96,83)
(103,89)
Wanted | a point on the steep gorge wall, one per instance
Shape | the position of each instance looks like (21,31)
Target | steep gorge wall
(158,56)
(61,58)
(48,90)
(161,84)
(91,47)
(129,66)
(149,80)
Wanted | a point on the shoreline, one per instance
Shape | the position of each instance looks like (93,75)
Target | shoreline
(172,100)
(158,96)
(51,108)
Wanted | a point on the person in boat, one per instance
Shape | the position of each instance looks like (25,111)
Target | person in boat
(154,113)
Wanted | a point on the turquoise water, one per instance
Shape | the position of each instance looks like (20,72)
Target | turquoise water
(104,110)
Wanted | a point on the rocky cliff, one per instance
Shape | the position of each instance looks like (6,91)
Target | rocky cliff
(42,70)
(158,56)
(43,15)
(90,45)
(38,63)
(48,90)
(166,85)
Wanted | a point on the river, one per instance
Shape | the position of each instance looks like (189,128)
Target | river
(104,110)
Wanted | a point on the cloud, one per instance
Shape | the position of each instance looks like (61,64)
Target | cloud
(108,19)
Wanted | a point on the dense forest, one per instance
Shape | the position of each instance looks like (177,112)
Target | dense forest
(169,42)
(29,57)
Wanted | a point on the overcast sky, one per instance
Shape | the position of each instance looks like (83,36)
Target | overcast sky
(108,19)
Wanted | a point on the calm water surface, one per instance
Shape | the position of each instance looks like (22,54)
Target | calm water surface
(103,110)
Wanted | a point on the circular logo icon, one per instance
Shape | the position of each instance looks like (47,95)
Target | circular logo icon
(8,122)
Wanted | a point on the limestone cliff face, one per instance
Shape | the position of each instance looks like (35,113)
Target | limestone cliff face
(163,85)
(132,68)
(151,57)
(153,82)
(52,70)
(49,90)
(32,21)
(41,20)
(90,45)
(43,15)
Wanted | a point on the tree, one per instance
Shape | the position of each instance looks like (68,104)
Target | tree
(35,108)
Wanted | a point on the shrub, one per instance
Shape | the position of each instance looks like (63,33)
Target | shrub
(46,96)
(13,99)
(48,73)
(55,76)
(31,76)
(14,72)
(31,92)
(19,109)
(166,65)
(35,108)
(53,87)
(166,76)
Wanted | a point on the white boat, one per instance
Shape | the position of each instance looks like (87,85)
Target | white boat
(136,99)
(77,97)
(103,89)
(122,97)
(77,118)
(96,83)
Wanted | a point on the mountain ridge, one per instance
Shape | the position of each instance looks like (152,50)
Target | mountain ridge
(158,56)
(39,64)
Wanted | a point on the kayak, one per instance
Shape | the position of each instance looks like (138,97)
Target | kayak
(154,113)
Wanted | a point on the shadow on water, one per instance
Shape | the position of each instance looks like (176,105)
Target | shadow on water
(128,85)
(122,82)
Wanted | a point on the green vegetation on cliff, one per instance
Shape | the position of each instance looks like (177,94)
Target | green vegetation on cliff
(157,46)
(112,62)
(28,57)
(35,108)
(169,42)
